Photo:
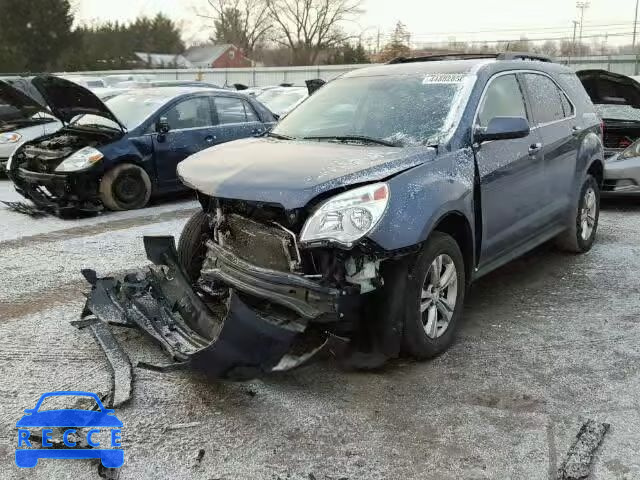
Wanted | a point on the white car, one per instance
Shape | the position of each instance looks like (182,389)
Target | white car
(21,119)
(87,82)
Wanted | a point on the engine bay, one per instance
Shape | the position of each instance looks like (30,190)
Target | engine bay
(45,154)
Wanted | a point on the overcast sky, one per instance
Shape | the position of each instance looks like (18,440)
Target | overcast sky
(428,20)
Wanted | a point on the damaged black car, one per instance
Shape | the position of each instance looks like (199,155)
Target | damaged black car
(116,155)
(358,223)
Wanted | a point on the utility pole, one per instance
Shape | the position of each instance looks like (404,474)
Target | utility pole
(635,27)
(582,6)
(378,42)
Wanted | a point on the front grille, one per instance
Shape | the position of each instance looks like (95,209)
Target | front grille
(267,246)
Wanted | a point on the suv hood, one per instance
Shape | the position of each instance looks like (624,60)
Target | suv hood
(291,173)
(68,100)
(16,107)
(608,88)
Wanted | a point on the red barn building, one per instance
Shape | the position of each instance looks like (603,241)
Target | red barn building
(216,56)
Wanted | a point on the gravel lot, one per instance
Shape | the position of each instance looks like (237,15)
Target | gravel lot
(547,342)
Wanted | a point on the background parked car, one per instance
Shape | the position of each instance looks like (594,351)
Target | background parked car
(281,100)
(87,82)
(22,119)
(617,101)
(166,83)
(117,154)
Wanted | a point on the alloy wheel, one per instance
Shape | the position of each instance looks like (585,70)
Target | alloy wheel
(439,295)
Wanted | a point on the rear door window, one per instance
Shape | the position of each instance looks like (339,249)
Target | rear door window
(503,98)
(546,99)
(230,110)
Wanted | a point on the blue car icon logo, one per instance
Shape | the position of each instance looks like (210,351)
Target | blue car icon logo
(36,433)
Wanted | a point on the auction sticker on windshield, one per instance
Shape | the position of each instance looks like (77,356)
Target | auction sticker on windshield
(71,432)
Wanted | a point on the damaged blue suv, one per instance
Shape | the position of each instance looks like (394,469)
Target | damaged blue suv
(366,212)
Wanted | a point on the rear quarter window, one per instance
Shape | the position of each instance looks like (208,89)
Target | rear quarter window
(574,88)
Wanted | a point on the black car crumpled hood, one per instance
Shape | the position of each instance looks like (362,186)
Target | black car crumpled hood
(291,173)
(16,105)
(67,99)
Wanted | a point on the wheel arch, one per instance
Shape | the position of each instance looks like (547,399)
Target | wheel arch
(456,224)
(596,169)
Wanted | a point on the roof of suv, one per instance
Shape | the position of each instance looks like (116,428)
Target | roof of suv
(456,66)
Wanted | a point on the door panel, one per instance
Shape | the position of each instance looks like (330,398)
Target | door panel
(191,130)
(511,173)
(554,119)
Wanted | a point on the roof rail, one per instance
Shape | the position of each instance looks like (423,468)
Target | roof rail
(523,56)
(472,56)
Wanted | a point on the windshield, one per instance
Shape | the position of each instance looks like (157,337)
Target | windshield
(131,109)
(404,110)
(279,101)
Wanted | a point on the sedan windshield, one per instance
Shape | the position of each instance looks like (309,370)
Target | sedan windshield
(130,108)
(401,110)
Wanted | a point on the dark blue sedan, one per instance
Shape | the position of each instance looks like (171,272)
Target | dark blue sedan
(116,155)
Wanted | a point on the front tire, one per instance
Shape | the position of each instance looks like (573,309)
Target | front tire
(583,224)
(434,298)
(191,247)
(125,187)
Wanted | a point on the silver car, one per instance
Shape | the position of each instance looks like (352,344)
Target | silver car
(22,119)
(617,100)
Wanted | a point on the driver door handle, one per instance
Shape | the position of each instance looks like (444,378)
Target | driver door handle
(535,148)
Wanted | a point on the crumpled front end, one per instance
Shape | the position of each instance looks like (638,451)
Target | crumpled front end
(34,173)
(226,335)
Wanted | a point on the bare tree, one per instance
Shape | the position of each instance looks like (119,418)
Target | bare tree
(244,23)
(307,27)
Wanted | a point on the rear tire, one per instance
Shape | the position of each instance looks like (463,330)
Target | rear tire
(191,247)
(125,187)
(434,298)
(583,224)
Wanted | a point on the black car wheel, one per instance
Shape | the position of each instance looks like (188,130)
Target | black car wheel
(125,187)
(583,223)
(434,297)
(191,247)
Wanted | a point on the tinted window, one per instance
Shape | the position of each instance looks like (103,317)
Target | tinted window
(566,105)
(546,98)
(251,114)
(190,113)
(230,110)
(406,110)
(503,98)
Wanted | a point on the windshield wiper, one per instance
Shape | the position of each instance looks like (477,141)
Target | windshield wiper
(278,136)
(360,138)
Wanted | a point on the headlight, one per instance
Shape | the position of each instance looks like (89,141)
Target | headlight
(347,217)
(10,137)
(80,160)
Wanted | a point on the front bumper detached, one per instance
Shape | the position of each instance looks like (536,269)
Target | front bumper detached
(229,339)
(58,193)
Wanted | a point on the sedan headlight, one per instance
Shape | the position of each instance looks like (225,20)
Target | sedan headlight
(80,160)
(347,217)
(10,137)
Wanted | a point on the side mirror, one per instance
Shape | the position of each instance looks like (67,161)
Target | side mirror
(163,126)
(503,128)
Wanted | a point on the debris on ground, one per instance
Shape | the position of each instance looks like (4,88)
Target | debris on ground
(578,462)
(200,456)
(226,338)
(180,426)
(108,473)
(26,209)
(121,370)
